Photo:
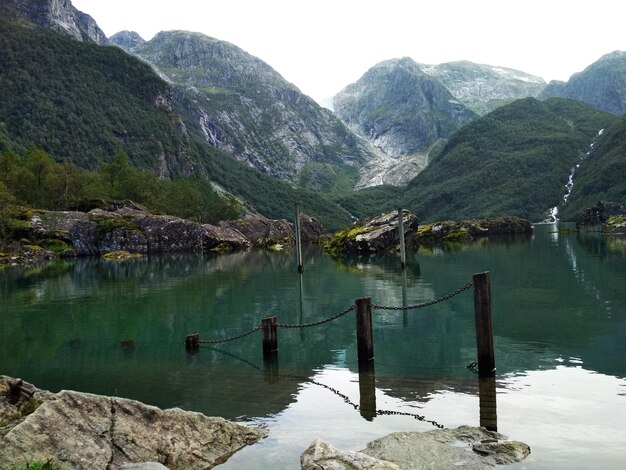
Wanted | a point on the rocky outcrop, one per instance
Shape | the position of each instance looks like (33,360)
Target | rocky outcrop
(462,448)
(59,16)
(467,230)
(129,227)
(604,216)
(85,431)
(374,235)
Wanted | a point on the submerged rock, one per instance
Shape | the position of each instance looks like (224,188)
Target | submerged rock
(85,431)
(466,448)
(373,235)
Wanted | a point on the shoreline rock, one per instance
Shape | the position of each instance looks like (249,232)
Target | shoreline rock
(466,447)
(467,230)
(86,431)
(373,235)
(606,217)
(131,228)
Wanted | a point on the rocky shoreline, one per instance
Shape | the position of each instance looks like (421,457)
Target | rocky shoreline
(85,431)
(130,228)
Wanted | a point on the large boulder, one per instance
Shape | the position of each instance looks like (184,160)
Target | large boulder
(263,232)
(468,448)
(374,235)
(85,431)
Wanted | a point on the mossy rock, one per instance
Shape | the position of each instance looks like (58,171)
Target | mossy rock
(120,255)
(110,224)
(335,247)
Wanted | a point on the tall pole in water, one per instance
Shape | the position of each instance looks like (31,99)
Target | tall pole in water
(298,240)
(401,237)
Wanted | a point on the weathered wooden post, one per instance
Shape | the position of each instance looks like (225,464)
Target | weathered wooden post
(270,337)
(364,340)
(192,342)
(487,403)
(484,330)
(298,240)
(401,237)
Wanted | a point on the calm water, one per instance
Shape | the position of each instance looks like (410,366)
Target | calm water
(559,308)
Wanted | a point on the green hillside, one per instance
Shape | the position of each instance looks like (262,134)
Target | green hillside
(601,176)
(81,102)
(513,161)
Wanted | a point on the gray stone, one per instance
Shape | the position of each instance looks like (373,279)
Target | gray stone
(85,431)
(323,456)
(446,449)
(374,235)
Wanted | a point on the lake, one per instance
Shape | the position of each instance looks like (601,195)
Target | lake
(559,321)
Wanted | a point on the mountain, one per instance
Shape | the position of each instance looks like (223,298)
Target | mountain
(601,85)
(245,108)
(82,102)
(57,15)
(403,112)
(483,88)
(127,40)
(513,161)
(602,174)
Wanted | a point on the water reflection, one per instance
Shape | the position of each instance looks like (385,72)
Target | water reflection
(118,329)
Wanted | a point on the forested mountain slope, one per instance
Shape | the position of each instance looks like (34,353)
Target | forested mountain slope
(513,161)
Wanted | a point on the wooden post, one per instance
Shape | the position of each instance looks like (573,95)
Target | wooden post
(192,342)
(298,240)
(365,343)
(270,336)
(484,330)
(401,237)
(487,403)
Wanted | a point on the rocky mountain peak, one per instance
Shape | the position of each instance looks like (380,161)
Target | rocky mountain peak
(58,15)
(127,40)
(601,85)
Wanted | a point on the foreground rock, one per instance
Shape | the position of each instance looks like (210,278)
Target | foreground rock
(462,448)
(467,230)
(374,235)
(607,217)
(85,431)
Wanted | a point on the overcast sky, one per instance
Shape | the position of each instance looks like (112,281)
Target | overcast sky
(323,45)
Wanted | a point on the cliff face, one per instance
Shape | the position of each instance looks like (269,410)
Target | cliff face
(402,111)
(244,107)
(59,16)
(601,85)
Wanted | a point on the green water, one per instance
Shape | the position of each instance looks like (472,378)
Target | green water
(559,307)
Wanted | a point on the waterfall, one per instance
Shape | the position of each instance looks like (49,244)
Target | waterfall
(553,213)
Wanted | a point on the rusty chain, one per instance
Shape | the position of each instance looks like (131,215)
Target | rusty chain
(340,314)
(426,304)
(230,338)
(319,322)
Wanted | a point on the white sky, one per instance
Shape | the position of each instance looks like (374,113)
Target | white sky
(323,45)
